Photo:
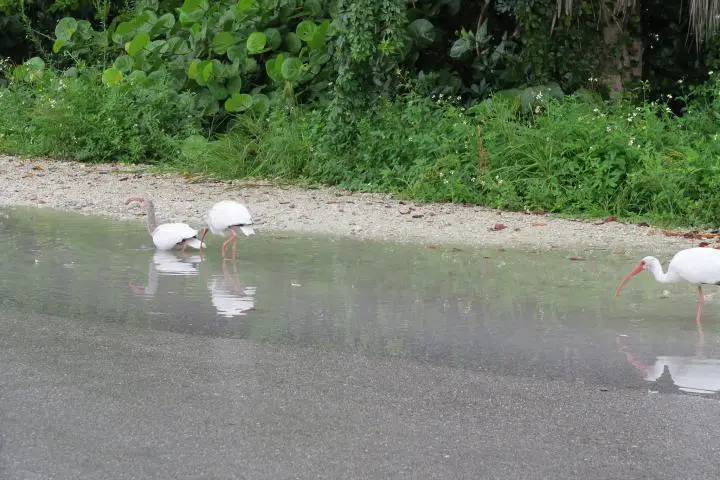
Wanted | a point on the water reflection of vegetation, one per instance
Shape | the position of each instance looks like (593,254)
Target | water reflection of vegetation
(376,298)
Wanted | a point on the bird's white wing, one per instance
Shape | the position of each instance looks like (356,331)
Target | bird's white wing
(167,235)
(697,265)
(228,213)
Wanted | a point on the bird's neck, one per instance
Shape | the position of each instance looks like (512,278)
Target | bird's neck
(152,222)
(663,277)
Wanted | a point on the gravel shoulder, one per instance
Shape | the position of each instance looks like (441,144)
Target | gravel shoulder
(100,189)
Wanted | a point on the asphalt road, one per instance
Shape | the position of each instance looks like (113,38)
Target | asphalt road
(81,400)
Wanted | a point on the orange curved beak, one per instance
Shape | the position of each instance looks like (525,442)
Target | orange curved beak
(635,271)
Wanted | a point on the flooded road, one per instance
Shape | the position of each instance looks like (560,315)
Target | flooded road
(311,357)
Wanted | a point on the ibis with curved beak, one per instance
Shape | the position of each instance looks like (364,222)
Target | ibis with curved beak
(167,236)
(226,218)
(699,265)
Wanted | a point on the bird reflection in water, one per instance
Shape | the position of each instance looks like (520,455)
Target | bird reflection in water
(674,374)
(230,297)
(166,263)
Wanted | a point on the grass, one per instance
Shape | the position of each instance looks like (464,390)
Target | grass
(580,157)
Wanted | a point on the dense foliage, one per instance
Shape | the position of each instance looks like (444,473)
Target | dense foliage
(510,103)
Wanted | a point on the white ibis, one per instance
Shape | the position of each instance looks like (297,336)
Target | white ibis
(699,265)
(224,219)
(168,235)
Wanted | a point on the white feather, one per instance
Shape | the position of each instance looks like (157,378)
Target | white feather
(168,235)
(696,265)
(227,214)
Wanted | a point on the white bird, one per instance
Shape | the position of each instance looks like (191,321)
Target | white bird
(168,235)
(224,219)
(700,266)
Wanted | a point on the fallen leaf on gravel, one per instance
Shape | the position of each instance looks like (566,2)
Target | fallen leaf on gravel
(497,227)
(28,175)
(122,179)
(37,167)
(539,224)
(693,234)
(607,220)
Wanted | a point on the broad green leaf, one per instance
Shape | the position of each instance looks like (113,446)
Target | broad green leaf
(178,46)
(460,48)
(166,21)
(205,72)
(123,31)
(218,91)
(65,28)
(157,46)
(123,63)
(137,77)
(199,31)
(236,53)
(312,7)
(250,66)
(192,71)
(305,30)
(318,39)
(71,72)
(291,68)
(423,31)
(33,69)
(256,42)
(138,43)
(482,32)
(193,11)
(84,30)
(140,62)
(234,85)
(207,103)
(274,39)
(112,76)
(238,102)
(35,63)
(273,67)
(226,20)
(57,46)
(244,5)
(223,41)
(261,103)
(293,42)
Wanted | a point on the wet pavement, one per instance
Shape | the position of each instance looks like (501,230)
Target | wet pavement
(311,357)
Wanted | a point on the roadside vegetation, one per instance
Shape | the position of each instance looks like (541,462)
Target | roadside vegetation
(592,111)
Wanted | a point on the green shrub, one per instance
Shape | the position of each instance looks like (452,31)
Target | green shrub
(78,117)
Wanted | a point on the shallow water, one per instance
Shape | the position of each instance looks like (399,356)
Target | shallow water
(517,313)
